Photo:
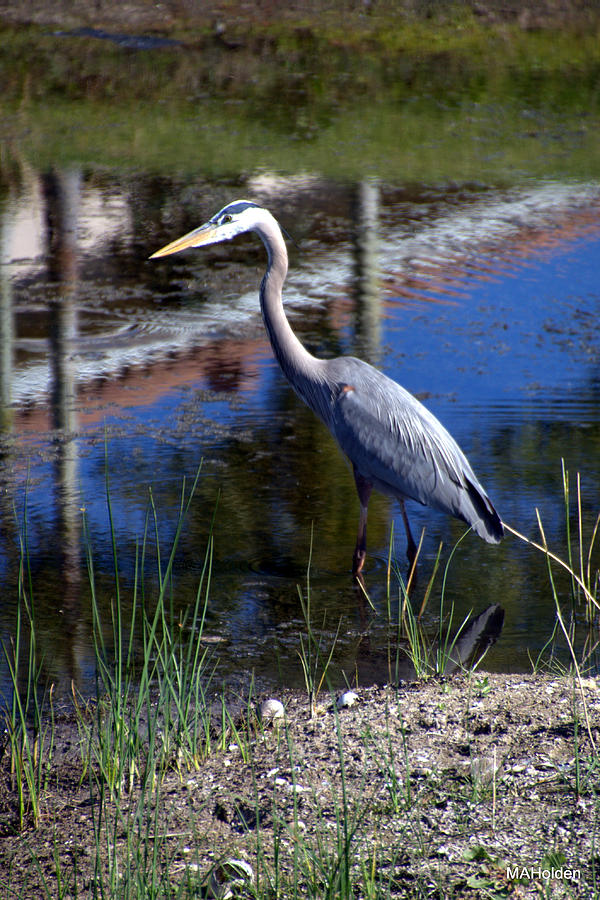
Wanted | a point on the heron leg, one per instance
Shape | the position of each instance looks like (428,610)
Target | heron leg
(411,547)
(363,488)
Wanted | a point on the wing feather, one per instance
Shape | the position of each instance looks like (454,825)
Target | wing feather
(398,445)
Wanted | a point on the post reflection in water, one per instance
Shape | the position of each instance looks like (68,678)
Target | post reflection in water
(367,288)
(62,193)
(7,329)
(177,370)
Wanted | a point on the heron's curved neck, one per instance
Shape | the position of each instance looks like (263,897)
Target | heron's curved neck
(301,368)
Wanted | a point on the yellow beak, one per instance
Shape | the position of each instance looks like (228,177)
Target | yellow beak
(205,234)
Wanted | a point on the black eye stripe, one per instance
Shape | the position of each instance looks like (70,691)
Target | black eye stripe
(238,206)
(229,212)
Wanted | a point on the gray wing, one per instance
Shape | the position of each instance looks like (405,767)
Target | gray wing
(401,448)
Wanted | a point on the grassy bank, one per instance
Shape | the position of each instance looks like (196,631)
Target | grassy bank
(163,785)
(466,788)
(453,96)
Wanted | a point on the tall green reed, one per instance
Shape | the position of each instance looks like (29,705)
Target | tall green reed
(411,640)
(29,711)
(153,677)
(579,561)
(315,661)
(152,713)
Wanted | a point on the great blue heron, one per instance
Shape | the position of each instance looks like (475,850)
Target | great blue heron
(393,442)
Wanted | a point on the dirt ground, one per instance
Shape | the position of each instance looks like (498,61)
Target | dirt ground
(477,785)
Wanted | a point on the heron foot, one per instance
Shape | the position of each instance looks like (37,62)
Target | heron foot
(358,562)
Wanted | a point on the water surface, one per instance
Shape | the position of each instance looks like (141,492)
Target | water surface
(137,374)
(444,205)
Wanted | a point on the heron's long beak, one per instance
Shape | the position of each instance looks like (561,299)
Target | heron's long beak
(205,234)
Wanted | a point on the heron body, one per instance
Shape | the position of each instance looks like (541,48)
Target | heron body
(394,443)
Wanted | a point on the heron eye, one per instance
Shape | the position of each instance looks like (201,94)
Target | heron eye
(226,219)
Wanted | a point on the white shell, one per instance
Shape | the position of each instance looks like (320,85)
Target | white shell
(271,709)
(233,873)
(348,698)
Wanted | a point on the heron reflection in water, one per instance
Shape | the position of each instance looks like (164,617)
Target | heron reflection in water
(394,443)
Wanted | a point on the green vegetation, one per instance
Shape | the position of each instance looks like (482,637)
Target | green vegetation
(422,100)
(29,726)
(160,694)
(327,802)
(321,803)
(314,658)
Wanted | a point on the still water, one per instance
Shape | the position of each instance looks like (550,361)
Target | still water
(126,377)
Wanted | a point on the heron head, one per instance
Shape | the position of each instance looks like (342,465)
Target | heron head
(233,219)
